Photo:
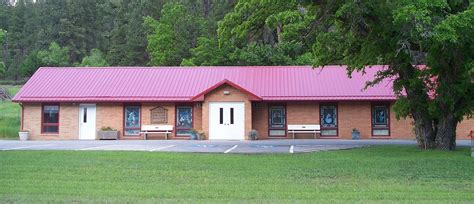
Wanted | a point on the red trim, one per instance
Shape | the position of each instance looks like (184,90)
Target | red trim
(337,121)
(123,118)
(372,128)
(176,119)
(50,124)
(225,81)
(285,125)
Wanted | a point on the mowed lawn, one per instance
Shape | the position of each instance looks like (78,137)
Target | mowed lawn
(372,174)
(9,116)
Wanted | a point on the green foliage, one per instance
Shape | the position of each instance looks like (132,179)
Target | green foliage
(2,68)
(31,64)
(115,27)
(451,59)
(206,53)
(172,36)
(54,56)
(404,34)
(95,59)
(267,33)
(161,43)
(3,34)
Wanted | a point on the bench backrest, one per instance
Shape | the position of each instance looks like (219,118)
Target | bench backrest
(157,127)
(304,127)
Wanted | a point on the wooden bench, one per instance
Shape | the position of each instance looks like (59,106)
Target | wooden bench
(315,129)
(156,129)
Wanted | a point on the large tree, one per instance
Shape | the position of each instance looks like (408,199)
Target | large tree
(172,36)
(401,34)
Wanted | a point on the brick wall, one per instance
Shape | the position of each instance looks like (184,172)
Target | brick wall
(235,95)
(300,113)
(260,119)
(401,129)
(351,115)
(110,115)
(68,122)
(146,117)
(464,128)
(354,115)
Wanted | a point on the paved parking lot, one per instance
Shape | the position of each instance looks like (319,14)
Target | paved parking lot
(207,146)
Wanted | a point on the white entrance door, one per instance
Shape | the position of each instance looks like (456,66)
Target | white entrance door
(87,114)
(226,120)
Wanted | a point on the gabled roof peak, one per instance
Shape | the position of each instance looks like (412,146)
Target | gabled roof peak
(252,96)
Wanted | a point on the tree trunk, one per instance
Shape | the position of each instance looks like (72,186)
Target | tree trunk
(418,97)
(279,29)
(446,134)
(425,135)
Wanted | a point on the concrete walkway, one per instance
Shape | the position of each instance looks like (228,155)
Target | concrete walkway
(209,146)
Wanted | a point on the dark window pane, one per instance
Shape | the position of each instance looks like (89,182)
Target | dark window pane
(182,132)
(132,117)
(221,116)
(132,132)
(85,115)
(277,133)
(51,129)
(50,114)
(231,115)
(184,117)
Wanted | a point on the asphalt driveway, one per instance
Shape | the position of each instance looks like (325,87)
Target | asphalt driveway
(204,146)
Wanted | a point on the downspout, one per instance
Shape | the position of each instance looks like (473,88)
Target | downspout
(22,116)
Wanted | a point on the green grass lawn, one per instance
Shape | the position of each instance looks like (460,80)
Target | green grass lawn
(375,174)
(9,116)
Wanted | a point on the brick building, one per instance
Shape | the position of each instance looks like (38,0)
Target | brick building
(222,102)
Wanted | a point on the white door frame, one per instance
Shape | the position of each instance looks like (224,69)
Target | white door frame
(218,129)
(90,119)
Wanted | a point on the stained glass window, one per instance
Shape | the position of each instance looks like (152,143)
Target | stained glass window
(380,116)
(380,120)
(328,117)
(132,120)
(184,120)
(277,121)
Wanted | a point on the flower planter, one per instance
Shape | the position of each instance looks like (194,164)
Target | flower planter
(107,135)
(253,135)
(355,135)
(23,135)
(194,136)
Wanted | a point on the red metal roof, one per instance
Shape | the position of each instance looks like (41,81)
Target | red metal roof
(148,84)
